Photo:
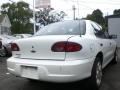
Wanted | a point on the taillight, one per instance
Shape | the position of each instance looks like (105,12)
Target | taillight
(14,47)
(65,46)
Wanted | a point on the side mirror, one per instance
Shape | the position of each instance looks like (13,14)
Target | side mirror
(113,36)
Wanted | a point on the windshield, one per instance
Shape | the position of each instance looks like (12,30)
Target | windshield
(63,28)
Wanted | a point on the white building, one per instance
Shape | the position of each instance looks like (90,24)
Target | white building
(5,25)
(42,3)
(114,27)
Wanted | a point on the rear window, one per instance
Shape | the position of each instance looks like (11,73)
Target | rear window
(64,28)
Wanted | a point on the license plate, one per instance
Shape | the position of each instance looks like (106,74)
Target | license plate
(29,72)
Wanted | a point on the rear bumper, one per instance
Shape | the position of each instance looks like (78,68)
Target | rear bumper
(53,71)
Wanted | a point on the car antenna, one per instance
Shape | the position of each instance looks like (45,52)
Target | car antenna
(79,27)
(78,15)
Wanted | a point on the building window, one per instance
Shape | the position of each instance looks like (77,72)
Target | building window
(5,30)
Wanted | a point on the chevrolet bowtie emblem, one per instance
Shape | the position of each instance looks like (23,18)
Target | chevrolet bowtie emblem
(33,51)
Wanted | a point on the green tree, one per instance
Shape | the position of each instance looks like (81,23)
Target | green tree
(19,14)
(49,15)
(97,16)
(116,11)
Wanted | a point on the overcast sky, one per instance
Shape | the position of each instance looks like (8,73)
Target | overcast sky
(85,6)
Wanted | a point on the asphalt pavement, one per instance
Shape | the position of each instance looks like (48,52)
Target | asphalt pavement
(111,80)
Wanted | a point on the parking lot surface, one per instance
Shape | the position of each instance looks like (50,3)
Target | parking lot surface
(111,80)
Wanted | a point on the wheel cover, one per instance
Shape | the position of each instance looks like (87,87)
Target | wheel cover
(99,74)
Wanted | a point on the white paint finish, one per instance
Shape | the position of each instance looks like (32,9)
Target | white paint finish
(53,71)
(61,66)
(42,45)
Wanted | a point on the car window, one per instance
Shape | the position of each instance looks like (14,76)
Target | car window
(98,31)
(64,28)
(100,34)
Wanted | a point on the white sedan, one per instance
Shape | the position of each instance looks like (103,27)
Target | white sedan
(64,52)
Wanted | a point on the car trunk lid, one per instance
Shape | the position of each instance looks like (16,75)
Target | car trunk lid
(39,47)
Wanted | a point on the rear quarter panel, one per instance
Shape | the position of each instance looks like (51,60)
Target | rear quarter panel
(88,48)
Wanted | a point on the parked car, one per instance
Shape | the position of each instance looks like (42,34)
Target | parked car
(6,45)
(19,36)
(0,48)
(66,51)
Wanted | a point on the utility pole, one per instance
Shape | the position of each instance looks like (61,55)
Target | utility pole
(34,16)
(78,9)
(74,13)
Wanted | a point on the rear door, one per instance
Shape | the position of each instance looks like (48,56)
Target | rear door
(103,42)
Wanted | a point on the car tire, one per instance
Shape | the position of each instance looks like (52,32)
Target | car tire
(3,52)
(115,59)
(96,75)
